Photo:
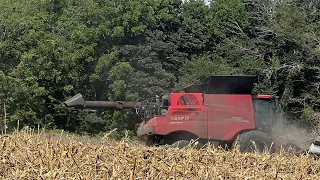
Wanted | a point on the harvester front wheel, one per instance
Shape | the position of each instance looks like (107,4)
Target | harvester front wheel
(288,144)
(180,144)
(254,141)
(185,143)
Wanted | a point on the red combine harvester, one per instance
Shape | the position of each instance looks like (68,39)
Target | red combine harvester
(223,111)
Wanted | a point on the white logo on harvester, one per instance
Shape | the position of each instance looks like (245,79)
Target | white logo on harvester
(237,119)
(179,118)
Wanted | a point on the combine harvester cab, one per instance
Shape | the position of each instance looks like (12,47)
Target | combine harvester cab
(222,111)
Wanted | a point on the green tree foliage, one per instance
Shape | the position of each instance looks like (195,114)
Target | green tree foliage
(125,50)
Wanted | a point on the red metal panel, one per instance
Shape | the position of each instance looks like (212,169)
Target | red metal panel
(175,97)
(228,115)
(262,97)
(184,118)
(221,117)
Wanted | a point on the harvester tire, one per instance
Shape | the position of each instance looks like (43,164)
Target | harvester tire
(288,144)
(180,144)
(254,141)
(185,143)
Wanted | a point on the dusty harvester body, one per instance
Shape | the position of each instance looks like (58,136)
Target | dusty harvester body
(222,111)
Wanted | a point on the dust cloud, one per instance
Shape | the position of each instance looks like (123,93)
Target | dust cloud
(291,132)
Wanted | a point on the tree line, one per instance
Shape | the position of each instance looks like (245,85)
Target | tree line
(125,50)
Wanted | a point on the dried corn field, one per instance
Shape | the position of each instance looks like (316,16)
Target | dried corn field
(29,155)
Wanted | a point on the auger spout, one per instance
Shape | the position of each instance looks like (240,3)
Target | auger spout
(79,102)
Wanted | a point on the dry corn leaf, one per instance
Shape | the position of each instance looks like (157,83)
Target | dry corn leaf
(29,155)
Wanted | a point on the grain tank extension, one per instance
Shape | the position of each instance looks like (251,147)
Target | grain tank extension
(222,111)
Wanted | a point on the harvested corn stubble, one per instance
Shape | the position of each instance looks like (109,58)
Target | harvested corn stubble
(28,155)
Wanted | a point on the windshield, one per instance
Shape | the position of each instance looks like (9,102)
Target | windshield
(264,112)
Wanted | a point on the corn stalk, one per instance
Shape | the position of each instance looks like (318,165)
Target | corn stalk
(5,118)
